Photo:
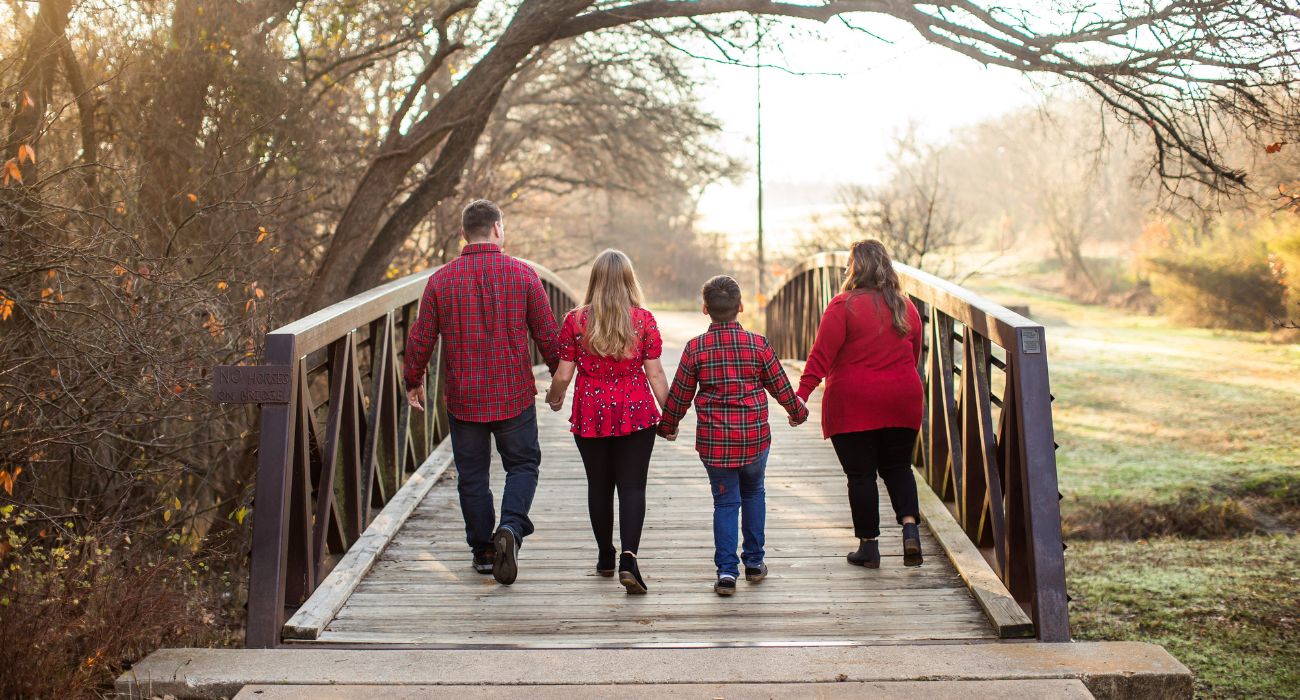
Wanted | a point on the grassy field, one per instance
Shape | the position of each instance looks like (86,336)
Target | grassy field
(1229,609)
(1149,412)
(1144,408)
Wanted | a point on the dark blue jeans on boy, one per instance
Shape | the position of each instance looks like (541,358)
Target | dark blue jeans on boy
(738,489)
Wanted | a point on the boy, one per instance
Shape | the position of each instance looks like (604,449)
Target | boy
(731,367)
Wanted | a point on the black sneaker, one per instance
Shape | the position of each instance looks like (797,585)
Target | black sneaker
(629,574)
(911,545)
(483,561)
(756,573)
(725,585)
(605,563)
(506,548)
(868,554)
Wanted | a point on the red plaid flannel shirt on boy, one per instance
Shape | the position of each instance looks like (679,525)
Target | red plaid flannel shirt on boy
(485,304)
(731,367)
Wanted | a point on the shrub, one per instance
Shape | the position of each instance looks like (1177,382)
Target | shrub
(1223,278)
(1193,514)
(76,610)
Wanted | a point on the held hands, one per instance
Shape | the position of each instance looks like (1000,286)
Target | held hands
(671,436)
(556,404)
(799,421)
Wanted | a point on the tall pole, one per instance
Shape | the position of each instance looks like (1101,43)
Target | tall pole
(760,293)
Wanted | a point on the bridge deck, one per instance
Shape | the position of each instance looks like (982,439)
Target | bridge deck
(423,590)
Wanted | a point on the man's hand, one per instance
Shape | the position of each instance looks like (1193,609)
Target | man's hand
(415,397)
(795,422)
(557,404)
(672,436)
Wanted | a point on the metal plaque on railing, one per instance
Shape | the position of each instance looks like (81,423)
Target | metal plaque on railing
(251,384)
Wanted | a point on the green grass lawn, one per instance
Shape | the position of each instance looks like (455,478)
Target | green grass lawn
(1229,609)
(1147,410)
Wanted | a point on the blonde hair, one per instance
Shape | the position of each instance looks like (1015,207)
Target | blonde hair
(612,291)
(870,269)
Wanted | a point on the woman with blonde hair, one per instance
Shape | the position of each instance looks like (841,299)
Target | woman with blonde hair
(613,345)
(867,348)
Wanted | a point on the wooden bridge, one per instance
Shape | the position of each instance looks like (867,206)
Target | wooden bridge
(358,542)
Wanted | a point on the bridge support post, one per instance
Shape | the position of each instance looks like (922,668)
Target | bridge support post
(270,560)
(1041,495)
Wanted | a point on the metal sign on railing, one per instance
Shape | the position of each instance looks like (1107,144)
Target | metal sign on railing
(264,384)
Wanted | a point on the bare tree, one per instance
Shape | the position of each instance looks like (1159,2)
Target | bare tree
(1158,67)
(912,211)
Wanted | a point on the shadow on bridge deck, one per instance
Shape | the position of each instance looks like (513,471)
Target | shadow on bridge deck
(423,590)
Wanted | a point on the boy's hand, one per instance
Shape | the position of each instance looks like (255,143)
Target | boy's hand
(671,436)
(800,421)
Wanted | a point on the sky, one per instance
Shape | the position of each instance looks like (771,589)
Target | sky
(823,130)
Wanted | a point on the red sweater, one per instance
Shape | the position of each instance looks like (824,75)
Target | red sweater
(870,372)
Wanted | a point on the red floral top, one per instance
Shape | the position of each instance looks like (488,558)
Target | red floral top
(612,395)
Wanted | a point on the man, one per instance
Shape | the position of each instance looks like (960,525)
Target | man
(486,304)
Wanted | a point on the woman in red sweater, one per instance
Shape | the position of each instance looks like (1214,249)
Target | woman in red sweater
(867,348)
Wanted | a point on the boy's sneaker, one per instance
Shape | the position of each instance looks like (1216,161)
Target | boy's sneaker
(725,585)
(483,561)
(756,573)
(506,550)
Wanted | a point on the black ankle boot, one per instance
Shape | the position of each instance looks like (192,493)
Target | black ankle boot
(912,545)
(629,574)
(868,554)
(605,562)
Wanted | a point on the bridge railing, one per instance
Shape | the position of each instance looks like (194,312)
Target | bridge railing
(344,443)
(986,443)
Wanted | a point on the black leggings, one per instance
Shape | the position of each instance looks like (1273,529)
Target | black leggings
(863,454)
(617,462)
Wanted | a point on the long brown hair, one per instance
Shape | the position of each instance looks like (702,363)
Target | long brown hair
(612,291)
(870,269)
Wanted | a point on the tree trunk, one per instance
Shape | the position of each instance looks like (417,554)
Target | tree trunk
(534,24)
(36,81)
(440,184)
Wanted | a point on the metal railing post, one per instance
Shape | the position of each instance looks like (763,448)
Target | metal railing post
(266,578)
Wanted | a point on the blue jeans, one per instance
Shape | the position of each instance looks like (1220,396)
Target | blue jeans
(471,446)
(738,489)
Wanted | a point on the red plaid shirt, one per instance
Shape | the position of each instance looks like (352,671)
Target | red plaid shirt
(486,304)
(731,367)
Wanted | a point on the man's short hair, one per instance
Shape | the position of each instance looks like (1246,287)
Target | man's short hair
(477,218)
(722,297)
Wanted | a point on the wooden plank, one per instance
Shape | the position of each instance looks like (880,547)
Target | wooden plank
(1003,612)
(310,619)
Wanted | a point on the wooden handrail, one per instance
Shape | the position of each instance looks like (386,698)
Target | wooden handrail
(318,485)
(997,470)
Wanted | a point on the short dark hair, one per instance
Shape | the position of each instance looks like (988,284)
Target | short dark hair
(722,297)
(477,218)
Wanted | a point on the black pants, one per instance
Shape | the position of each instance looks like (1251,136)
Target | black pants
(617,463)
(888,452)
